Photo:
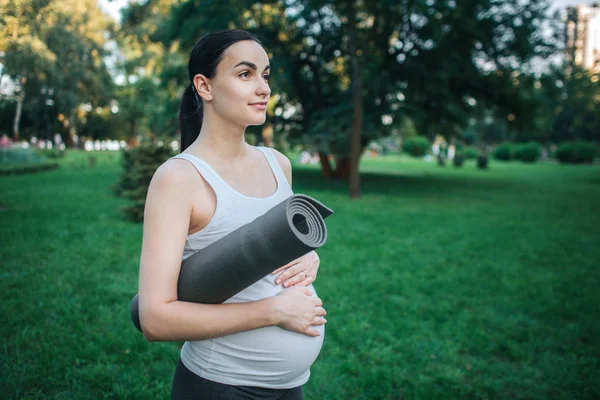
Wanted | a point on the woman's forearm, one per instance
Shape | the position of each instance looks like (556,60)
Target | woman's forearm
(181,321)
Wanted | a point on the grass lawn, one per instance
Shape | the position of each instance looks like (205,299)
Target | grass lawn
(441,283)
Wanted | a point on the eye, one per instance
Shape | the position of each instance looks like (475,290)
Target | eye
(244,74)
(267,77)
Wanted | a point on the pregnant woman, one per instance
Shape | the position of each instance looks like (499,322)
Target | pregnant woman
(260,343)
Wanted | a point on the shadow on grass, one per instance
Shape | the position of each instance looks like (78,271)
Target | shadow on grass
(424,184)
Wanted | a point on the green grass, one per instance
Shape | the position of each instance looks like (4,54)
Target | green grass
(441,283)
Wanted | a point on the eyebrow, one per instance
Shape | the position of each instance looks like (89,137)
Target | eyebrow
(251,65)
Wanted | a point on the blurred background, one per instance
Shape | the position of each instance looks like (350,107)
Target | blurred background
(457,142)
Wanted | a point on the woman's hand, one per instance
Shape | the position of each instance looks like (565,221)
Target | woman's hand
(300,272)
(297,310)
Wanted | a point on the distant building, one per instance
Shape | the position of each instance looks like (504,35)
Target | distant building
(583,36)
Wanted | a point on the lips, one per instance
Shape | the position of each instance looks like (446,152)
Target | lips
(260,106)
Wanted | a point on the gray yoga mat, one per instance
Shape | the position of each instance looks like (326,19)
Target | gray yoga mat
(286,232)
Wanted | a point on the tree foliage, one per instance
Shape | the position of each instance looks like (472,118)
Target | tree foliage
(461,69)
(53,52)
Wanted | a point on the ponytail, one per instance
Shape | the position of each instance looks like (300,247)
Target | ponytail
(190,117)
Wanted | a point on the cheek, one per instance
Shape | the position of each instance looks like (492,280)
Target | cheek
(236,93)
(233,104)
(233,99)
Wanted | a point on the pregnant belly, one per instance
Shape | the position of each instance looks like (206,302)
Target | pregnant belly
(271,355)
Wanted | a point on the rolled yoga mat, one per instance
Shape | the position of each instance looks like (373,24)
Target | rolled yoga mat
(227,266)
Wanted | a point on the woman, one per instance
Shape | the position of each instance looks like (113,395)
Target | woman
(260,343)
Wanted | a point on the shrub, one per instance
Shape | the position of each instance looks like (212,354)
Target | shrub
(528,152)
(458,160)
(125,182)
(416,146)
(576,152)
(20,155)
(20,169)
(503,152)
(51,153)
(139,165)
(482,161)
(469,153)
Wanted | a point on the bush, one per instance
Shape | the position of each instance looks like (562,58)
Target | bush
(416,146)
(20,169)
(51,153)
(126,181)
(20,155)
(139,165)
(576,152)
(503,152)
(458,160)
(469,153)
(482,161)
(527,152)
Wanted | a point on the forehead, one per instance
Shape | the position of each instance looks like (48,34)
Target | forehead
(245,50)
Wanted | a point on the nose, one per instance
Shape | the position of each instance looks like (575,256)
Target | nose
(263,88)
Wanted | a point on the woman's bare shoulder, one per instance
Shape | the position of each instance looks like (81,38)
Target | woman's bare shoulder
(285,163)
(176,177)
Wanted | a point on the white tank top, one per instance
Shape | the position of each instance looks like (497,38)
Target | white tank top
(268,357)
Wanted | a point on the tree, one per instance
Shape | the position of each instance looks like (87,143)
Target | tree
(154,70)
(576,105)
(55,46)
(417,58)
(26,57)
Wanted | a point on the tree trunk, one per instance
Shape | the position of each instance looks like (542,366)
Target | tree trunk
(71,132)
(357,106)
(325,165)
(17,120)
(132,139)
(343,168)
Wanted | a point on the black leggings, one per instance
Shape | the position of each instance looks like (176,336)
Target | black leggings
(189,386)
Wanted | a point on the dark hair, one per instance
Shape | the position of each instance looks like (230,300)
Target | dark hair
(205,57)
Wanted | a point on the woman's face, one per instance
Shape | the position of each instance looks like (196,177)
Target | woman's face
(240,89)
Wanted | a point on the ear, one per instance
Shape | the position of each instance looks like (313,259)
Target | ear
(203,88)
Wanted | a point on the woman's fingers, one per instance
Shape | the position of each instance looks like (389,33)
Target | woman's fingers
(299,277)
(290,272)
(293,276)
(311,332)
(286,266)
(305,282)
(320,311)
(315,322)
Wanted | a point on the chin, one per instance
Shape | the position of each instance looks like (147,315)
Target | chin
(259,121)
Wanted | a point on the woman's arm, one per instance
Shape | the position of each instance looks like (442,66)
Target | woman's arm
(164,318)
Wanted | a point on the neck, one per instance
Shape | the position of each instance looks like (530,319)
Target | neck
(220,139)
